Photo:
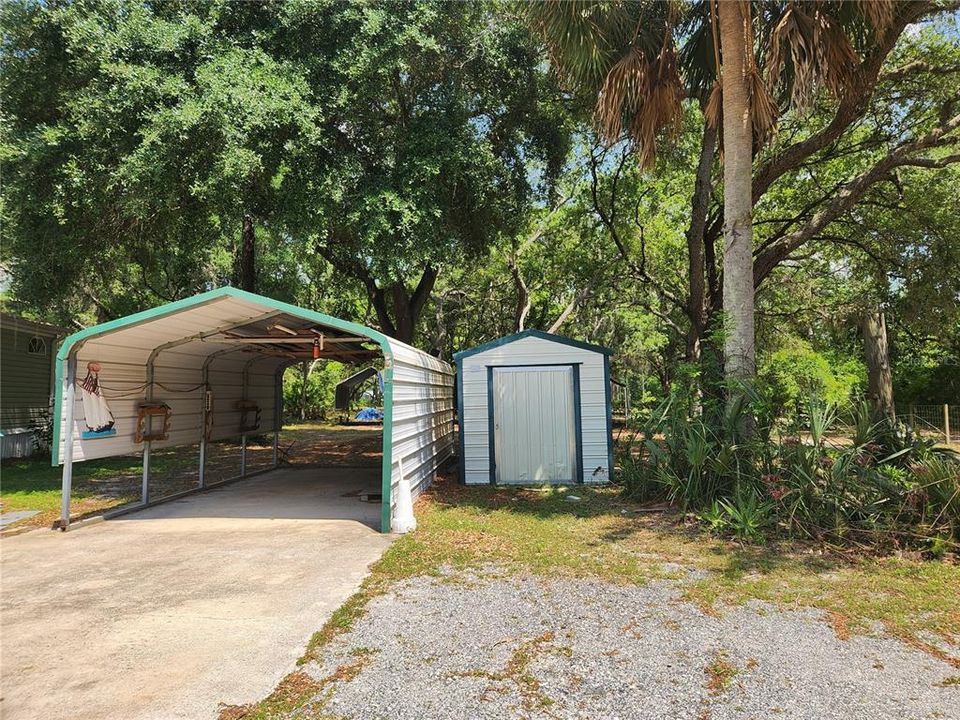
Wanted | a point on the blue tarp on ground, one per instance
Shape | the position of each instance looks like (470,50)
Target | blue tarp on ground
(370,414)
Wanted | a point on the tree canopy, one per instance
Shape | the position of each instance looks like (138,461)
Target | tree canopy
(438,171)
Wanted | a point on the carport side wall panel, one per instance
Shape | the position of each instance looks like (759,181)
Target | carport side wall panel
(421,424)
(123,348)
(531,350)
(183,392)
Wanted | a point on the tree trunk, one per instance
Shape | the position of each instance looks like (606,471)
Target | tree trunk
(523,295)
(306,369)
(879,378)
(406,308)
(738,294)
(247,264)
(696,304)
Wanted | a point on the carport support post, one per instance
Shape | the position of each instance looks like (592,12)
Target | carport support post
(204,395)
(243,455)
(145,484)
(145,490)
(277,414)
(203,460)
(69,399)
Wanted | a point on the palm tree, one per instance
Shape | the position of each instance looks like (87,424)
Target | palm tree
(637,60)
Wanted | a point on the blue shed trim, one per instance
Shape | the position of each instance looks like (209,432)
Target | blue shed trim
(499,342)
(462,462)
(491,429)
(608,395)
(578,423)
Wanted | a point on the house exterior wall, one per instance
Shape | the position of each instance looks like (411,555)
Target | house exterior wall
(25,395)
(473,396)
(26,382)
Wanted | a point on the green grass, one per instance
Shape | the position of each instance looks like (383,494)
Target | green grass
(720,673)
(33,484)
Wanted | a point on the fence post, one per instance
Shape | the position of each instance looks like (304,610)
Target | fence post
(946,422)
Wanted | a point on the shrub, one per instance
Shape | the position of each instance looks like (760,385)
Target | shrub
(883,485)
(320,389)
(796,374)
(43,432)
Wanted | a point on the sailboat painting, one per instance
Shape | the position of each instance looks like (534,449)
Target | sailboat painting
(97,416)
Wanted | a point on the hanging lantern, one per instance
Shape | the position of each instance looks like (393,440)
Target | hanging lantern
(316,348)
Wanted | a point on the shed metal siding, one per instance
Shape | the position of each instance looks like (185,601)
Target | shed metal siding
(533,350)
(418,397)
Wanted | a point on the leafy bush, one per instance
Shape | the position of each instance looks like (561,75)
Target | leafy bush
(320,389)
(43,432)
(797,373)
(882,485)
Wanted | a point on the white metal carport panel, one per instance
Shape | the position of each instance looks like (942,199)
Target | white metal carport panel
(123,355)
(422,417)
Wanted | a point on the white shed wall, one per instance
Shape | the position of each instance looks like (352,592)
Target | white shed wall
(534,351)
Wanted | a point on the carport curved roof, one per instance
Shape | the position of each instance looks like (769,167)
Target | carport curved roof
(204,324)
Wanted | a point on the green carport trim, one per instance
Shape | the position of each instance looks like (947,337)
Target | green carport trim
(71,341)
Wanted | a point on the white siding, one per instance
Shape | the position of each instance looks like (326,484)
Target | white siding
(178,379)
(422,425)
(533,351)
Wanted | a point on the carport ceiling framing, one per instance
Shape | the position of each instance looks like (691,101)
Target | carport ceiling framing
(278,338)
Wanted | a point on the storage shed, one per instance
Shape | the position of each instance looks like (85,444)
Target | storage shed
(534,408)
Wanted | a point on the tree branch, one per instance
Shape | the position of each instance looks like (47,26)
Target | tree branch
(903,155)
(852,105)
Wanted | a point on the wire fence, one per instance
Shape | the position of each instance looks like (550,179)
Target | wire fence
(939,421)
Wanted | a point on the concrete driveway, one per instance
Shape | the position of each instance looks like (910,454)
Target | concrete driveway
(167,612)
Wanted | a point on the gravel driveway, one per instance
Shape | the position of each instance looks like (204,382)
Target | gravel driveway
(467,646)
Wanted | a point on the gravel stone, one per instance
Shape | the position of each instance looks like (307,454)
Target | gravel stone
(484,645)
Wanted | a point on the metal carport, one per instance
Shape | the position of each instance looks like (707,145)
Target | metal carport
(216,360)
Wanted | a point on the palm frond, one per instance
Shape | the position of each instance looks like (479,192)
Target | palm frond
(878,13)
(580,36)
(808,49)
(626,83)
(624,53)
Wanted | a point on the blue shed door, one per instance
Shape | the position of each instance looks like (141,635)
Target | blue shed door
(533,416)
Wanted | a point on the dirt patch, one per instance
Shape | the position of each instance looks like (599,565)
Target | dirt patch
(350,445)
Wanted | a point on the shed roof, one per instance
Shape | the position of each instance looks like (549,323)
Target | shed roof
(540,334)
(15,322)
